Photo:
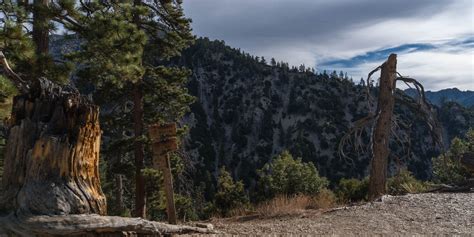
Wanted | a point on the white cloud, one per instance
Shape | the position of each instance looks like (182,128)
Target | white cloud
(309,31)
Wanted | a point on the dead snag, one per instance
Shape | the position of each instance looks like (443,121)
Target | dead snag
(382,122)
(52,153)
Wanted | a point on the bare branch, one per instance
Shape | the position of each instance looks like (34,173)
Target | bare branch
(356,130)
(17,81)
(369,97)
(425,108)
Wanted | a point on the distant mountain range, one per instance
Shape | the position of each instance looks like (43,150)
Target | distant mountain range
(465,98)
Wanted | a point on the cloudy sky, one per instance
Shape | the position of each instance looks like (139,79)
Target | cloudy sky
(433,38)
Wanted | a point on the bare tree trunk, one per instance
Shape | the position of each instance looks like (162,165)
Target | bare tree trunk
(52,154)
(40,33)
(139,153)
(140,197)
(381,134)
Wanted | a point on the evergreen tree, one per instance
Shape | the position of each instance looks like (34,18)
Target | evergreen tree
(123,58)
(273,62)
(285,175)
(124,49)
(230,195)
(28,52)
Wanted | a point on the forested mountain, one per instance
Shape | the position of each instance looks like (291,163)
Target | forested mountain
(248,110)
(465,98)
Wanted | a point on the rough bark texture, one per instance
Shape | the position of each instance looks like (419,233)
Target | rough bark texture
(381,134)
(139,152)
(40,32)
(90,225)
(52,154)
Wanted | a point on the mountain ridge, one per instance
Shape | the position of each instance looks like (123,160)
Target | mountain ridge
(248,111)
(465,98)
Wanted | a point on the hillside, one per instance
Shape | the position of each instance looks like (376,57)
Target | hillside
(247,111)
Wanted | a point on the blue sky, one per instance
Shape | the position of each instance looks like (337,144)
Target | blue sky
(433,38)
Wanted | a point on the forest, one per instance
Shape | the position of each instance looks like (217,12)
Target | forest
(84,83)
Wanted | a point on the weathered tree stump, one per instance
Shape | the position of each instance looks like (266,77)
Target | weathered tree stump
(51,182)
(52,153)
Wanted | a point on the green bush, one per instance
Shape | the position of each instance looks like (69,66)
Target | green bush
(447,167)
(287,176)
(230,195)
(352,190)
(404,183)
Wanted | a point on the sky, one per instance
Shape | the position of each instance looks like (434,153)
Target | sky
(434,39)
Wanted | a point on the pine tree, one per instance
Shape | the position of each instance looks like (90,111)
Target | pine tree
(230,195)
(28,52)
(127,70)
(273,62)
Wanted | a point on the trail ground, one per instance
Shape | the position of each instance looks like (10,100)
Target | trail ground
(412,214)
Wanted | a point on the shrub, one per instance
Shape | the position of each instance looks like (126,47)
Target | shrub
(352,190)
(404,183)
(447,168)
(286,176)
(324,199)
(230,195)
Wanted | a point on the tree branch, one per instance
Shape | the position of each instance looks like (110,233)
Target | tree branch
(17,81)
(425,108)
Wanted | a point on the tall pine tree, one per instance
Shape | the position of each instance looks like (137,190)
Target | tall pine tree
(121,62)
(127,74)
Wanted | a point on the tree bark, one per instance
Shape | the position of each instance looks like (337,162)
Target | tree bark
(40,32)
(139,153)
(140,197)
(381,134)
(91,225)
(52,154)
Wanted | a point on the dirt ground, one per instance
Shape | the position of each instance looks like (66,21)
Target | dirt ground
(413,214)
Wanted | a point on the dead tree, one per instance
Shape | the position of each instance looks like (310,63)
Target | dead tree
(381,121)
(51,183)
(52,151)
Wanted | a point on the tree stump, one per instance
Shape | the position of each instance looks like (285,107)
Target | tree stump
(52,153)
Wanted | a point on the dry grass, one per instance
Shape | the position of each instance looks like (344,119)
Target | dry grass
(325,199)
(289,205)
(284,205)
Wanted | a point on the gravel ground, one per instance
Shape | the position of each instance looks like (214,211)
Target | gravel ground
(413,214)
